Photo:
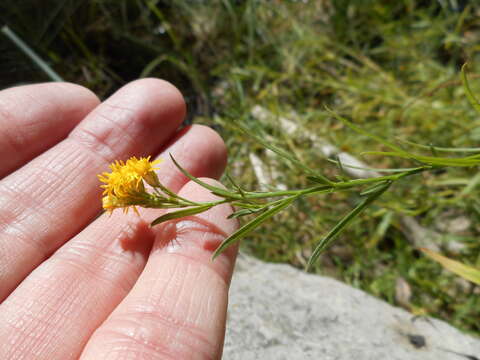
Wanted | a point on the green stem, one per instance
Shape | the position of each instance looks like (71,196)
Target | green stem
(236,200)
(352,183)
(337,185)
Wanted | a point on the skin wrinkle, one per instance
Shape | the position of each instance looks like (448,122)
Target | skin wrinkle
(68,184)
(13,193)
(20,236)
(101,274)
(134,353)
(12,142)
(208,237)
(191,310)
(177,308)
(157,312)
(17,230)
(42,123)
(123,123)
(30,336)
(45,183)
(21,228)
(194,299)
(128,345)
(177,290)
(130,328)
(94,254)
(104,257)
(90,136)
(44,180)
(15,140)
(60,315)
(8,215)
(195,258)
(30,309)
(31,96)
(19,197)
(94,144)
(62,306)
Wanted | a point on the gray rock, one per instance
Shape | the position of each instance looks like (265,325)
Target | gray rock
(278,312)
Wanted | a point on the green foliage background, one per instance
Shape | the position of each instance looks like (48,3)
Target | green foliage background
(392,67)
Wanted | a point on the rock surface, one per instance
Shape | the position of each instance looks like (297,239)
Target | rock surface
(278,312)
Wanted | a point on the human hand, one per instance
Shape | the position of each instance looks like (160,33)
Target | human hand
(76,286)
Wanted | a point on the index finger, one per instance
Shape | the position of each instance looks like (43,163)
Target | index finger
(35,117)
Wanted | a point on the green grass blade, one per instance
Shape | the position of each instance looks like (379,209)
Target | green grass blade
(245,229)
(180,214)
(468,91)
(37,60)
(341,225)
(467,272)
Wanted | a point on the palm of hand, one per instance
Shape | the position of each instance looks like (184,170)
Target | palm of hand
(74,285)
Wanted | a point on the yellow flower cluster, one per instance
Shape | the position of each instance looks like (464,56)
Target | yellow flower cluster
(124,185)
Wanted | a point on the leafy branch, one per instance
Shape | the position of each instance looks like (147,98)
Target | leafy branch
(263,205)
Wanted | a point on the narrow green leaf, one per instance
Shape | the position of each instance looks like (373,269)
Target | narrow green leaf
(180,214)
(366,133)
(316,179)
(438,148)
(284,154)
(393,170)
(471,185)
(431,160)
(467,161)
(245,229)
(233,182)
(468,91)
(374,188)
(467,272)
(235,185)
(340,165)
(243,212)
(476,156)
(381,229)
(215,190)
(341,225)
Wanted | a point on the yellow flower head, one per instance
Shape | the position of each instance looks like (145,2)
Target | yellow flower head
(124,185)
(144,168)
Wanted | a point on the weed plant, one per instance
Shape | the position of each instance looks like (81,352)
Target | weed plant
(390,67)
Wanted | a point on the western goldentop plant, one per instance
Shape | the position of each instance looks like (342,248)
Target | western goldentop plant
(134,183)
